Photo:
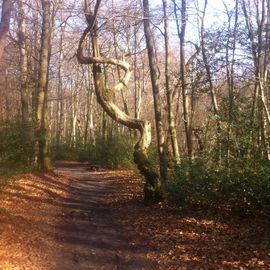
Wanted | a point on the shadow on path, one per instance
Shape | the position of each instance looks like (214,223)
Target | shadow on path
(88,236)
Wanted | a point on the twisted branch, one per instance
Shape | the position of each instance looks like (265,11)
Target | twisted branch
(152,189)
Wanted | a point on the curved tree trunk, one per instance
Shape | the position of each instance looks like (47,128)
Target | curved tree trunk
(152,189)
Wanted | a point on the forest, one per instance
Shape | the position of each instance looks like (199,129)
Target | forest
(159,109)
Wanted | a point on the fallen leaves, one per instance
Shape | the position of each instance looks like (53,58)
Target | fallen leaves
(26,212)
(174,237)
(181,238)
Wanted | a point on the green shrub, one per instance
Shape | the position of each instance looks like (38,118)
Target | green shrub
(241,187)
(114,152)
(67,152)
(16,150)
(16,145)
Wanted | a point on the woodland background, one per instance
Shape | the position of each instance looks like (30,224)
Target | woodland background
(209,113)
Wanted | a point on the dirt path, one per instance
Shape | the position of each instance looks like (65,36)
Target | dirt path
(65,222)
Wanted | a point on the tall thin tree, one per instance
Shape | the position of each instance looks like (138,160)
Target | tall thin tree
(155,89)
(7,6)
(42,90)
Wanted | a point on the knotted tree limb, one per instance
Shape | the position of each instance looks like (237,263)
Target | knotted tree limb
(152,188)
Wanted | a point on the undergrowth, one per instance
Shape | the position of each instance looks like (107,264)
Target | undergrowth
(16,150)
(114,152)
(242,188)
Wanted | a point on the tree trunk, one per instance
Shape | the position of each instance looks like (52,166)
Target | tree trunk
(185,97)
(230,78)
(156,91)
(42,91)
(88,130)
(74,113)
(169,92)
(23,64)
(7,6)
(59,104)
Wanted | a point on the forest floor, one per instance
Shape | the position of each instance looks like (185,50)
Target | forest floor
(82,219)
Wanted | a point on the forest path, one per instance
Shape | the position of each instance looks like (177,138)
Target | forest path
(80,219)
(67,221)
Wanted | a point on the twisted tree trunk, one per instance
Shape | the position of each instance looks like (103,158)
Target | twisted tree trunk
(152,189)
